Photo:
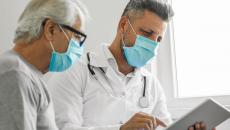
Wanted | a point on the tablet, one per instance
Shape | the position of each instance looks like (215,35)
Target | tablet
(210,112)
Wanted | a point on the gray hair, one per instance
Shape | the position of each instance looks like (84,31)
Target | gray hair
(161,8)
(59,11)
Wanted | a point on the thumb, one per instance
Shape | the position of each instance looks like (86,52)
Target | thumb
(161,123)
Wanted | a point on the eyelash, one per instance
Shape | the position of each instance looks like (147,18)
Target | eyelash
(77,36)
(148,34)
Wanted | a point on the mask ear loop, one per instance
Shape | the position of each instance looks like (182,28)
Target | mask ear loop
(122,40)
(132,27)
(63,32)
(122,35)
(52,46)
(123,43)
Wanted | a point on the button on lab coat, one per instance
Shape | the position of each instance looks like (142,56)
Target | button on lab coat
(83,103)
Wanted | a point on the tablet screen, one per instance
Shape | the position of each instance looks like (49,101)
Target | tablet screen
(209,112)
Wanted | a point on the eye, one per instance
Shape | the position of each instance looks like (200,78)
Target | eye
(147,33)
(78,37)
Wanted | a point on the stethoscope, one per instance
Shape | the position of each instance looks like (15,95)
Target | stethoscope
(143,101)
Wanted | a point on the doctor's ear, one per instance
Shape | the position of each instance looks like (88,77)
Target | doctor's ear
(123,25)
(49,29)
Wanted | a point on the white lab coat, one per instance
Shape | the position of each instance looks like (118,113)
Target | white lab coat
(83,103)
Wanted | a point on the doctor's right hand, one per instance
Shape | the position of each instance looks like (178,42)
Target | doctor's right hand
(142,121)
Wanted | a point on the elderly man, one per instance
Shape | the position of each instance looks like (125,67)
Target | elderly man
(110,89)
(48,38)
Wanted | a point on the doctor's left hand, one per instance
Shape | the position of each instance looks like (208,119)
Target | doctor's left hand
(199,126)
(142,121)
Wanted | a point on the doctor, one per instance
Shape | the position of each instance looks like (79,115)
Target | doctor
(110,89)
(47,38)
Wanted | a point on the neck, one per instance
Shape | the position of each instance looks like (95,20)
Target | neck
(117,52)
(34,54)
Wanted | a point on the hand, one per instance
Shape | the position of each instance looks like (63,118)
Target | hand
(142,121)
(199,126)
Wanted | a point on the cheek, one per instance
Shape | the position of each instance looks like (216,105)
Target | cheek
(61,44)
(129,39)
(64,45)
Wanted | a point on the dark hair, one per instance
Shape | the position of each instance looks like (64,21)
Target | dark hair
(159,7)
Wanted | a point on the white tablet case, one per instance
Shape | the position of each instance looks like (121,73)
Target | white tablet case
(210,112)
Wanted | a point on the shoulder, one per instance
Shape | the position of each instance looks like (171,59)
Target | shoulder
(13,82)
(12,63)
(8,61)
(13,77)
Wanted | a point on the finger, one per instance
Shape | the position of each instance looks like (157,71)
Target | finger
(146,116)
(141,114)
(191,128)
(156,121)
(144,120)
(140,126)
(197,126)
(203,126)
(161,123)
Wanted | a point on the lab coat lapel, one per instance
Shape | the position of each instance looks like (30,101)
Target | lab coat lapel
(116,82)
(105,80)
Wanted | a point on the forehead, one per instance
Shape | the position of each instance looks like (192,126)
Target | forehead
(151,21)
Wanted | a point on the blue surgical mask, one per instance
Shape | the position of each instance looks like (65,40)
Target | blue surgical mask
(62,61)
(141,53)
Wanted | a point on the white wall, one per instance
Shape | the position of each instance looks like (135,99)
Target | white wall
(165,76)
(102,28)
(9,12)
(105,17)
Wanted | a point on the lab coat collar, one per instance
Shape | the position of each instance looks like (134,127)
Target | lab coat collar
(98,59)
(103,56)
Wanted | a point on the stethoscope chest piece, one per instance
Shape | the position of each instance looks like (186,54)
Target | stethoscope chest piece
(144,102)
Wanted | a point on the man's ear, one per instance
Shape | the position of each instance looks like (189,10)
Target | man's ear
(49,29)
(123,25)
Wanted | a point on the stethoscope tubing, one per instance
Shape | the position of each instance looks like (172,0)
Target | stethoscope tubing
(92,72)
